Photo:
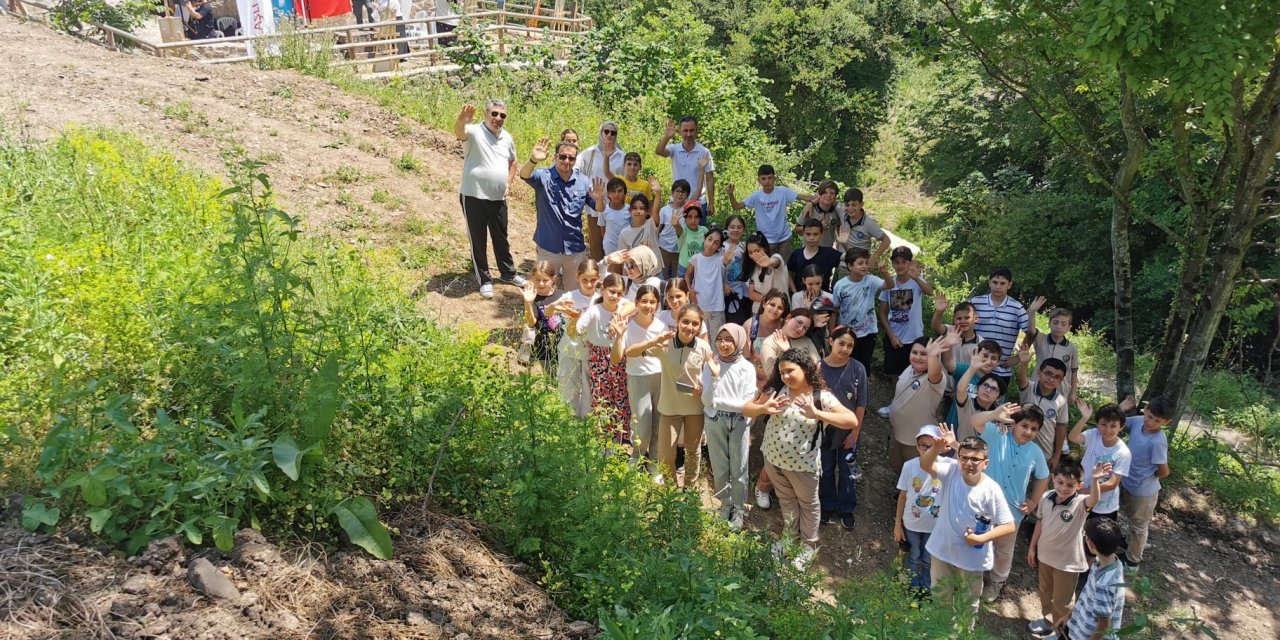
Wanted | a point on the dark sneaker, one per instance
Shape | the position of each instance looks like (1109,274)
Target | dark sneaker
(828,516)
(1040,628)
(1129,562)
(846,521)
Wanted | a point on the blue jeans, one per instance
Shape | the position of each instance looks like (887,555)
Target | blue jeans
(918,559)
(836,487)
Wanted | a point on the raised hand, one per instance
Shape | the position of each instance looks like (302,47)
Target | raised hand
(670,130)
(913,269)
(656,187)
(703,161)
(776,403)
(1036,304)
(1086,411)
(540,150)
(529,293)
(665,336)
(1024,354)
(805,403)
(597,189)
(468,113)
(940,299)
(729,189)
(1004,414)
(1101,470)
(947,437)
(617,326)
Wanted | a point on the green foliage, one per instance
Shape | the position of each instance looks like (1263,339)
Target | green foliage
(470,50)
(73,15)
(296,49)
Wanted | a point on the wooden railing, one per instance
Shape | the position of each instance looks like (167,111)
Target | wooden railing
(500,27)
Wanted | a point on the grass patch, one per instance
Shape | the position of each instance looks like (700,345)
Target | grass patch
(407,163)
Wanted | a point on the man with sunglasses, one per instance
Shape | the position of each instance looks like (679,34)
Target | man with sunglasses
(488,168)
(560,194)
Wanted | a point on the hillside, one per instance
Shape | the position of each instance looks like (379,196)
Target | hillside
(363,176)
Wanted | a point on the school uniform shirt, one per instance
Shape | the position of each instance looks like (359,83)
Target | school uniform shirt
(1013,466)
(667,239)
(961,506)
(1095,452)
(708,281)
(963,352)
(857,233)
(1102,597)
(1061,532)
(904,309)
(771,212)
(857,303)
(732,389)
(681,364)
(1146,452)
(593,325)
(1054,407)
(830,223)
(1001,323)
(921,511)
(915,404)
(825,258)
(789,441)
(646,364)
(667,319)
(1066,351)
(684,165)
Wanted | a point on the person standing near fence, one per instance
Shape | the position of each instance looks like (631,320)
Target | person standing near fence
(488,168)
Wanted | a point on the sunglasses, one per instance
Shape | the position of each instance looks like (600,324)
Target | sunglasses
(566,157)
(609,132)
(498,114)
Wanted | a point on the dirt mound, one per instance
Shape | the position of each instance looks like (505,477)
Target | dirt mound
(444,582)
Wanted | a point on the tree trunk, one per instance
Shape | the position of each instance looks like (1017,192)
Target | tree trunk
(1121,260)
(1257,167)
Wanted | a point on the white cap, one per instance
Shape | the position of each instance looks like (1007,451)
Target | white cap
(928,430)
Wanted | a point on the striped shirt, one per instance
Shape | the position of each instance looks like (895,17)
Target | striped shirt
(1002,324)
(1102,597)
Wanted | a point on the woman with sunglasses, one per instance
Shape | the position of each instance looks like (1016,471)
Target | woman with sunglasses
(591,162)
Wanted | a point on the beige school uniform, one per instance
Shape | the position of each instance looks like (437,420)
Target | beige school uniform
(1054,407)
(1066,351)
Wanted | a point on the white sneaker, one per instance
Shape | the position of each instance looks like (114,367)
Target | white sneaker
(762,499)
(806,556)
(486,290)
(777,549)
(883,411)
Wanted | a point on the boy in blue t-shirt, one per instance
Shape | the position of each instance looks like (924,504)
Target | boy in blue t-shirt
(1148,463)
(855,297)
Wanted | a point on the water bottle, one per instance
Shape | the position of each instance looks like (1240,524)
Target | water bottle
(983,526)
(850,460)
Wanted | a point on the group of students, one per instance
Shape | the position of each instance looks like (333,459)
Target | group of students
(671,344)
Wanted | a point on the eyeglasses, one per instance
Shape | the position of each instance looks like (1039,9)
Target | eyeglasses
(724,340)
(609,132)
(498,114)
(564,157)
(923,446)
(972,460)
(1052,376)
(989,387)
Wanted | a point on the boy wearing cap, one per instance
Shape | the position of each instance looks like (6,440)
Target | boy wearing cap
(917,512)
(900,310)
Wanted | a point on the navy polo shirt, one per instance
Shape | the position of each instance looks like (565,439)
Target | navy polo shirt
(560,203)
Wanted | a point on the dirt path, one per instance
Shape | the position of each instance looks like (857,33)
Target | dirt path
(371,178)
(345,165)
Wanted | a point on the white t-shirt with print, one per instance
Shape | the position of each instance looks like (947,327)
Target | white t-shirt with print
(961,506)
(921,511)
(771,212)
(1094,453)
(904,312)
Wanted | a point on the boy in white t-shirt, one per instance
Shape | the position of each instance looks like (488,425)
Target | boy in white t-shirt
(1103,445)
(770,203)
(616,215)
(917,512)
(974,514)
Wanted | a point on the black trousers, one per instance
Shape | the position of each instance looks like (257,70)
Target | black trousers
(896,360)
(364,13)
(485,219)
(863,349)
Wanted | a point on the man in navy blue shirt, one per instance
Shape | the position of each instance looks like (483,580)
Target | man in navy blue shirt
(560,195)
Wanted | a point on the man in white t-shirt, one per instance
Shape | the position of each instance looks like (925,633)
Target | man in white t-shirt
(686,162)
(488,167)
